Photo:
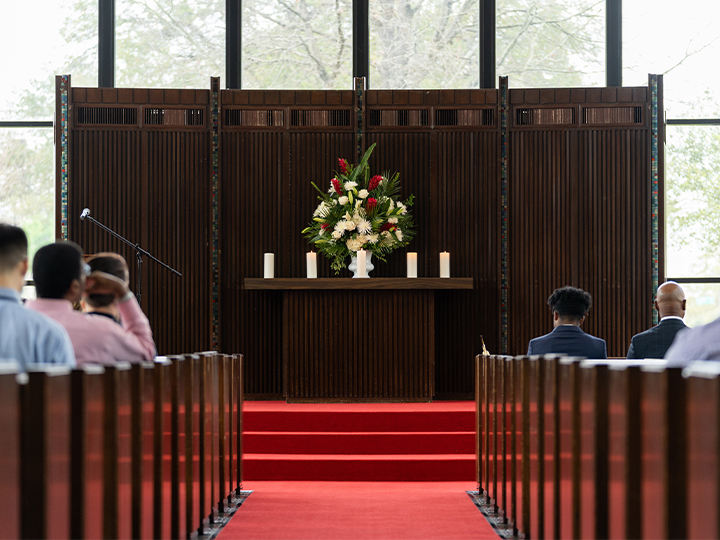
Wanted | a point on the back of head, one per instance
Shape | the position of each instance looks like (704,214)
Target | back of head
(55,267)
(13,247)
(670,300)
(110,263)
(570,303)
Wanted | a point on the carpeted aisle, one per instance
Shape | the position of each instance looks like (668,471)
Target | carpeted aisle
(358,510)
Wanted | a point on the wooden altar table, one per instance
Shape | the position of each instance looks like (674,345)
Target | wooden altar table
(348,339)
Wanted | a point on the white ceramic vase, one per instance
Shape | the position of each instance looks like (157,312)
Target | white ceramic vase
(368,264)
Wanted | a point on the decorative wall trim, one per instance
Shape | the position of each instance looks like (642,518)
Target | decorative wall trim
(655,219)
(359,117)
(215,113)
(64,91)
(503,215)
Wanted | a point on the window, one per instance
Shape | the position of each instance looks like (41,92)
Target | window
(306,44)
(424,44)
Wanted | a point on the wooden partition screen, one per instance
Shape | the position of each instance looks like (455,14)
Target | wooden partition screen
(528,190)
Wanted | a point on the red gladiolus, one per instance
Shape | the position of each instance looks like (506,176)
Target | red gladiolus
(371,204)
(343,165)
(337,185)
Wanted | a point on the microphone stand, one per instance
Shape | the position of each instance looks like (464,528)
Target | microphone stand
(139,252)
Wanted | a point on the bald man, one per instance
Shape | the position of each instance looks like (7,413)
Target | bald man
(670,305)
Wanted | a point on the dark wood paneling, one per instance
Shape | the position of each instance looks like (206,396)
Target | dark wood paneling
(579,207)
(358,350)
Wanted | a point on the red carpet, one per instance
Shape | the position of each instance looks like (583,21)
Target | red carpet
(358,510)
(359,441)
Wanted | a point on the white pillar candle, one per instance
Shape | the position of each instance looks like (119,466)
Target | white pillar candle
(311,265)
(269,266)
(444,264)
(361,263)
(412,264)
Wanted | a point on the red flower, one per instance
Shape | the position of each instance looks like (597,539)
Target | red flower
(343,165)
(324,226)
(374,182)
(388,227)
(371,204)
(337,185)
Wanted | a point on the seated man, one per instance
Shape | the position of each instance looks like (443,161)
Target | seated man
(699,343)
(569,307)
(61,279)
(670,305)
(25,336)
(105,305)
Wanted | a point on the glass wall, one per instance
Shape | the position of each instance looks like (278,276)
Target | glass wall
(424,44)
(169,43)
(551,43)
(304,44)
(680,41)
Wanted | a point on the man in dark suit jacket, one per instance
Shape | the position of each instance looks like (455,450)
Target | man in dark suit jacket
(670,305)
(569,306)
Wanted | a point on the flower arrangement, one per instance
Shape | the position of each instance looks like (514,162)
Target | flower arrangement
(360,211)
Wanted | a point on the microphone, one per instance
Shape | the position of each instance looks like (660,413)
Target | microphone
(85,213)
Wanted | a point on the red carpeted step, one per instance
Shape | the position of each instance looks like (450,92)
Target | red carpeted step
(308,442)
(359,441)
(351,467)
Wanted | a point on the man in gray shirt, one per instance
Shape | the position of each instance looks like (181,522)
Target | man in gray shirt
(26,336)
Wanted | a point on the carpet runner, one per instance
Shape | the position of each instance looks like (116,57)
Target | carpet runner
(358,511)
(359,441)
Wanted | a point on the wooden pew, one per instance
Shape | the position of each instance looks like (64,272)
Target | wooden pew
(703,449)
(237,421)
(86,466)
(142,396)
(45,453)
(164,480)
(664,465)
(10,390)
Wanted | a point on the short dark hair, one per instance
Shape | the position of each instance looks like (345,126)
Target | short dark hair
(113,265)
(55,266)
(13,246)
(570,302)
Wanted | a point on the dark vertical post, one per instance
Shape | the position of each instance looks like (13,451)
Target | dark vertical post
(487,43)
(613,45)
(361,40)
(106,43)
(233,43)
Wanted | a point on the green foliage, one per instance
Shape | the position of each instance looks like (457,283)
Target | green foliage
(360,212)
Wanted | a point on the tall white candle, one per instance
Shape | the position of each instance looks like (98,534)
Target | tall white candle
(311,265)
(269,266)
(411,264)
(361,262)
(444,264)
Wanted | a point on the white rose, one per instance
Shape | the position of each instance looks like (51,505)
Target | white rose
(363,193)
(392,220)
(350,225)
(343,200)
(336,235)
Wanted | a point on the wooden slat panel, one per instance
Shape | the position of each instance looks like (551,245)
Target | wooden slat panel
(385,367)
(573,198)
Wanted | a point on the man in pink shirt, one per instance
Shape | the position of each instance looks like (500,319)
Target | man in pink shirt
(61,278)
